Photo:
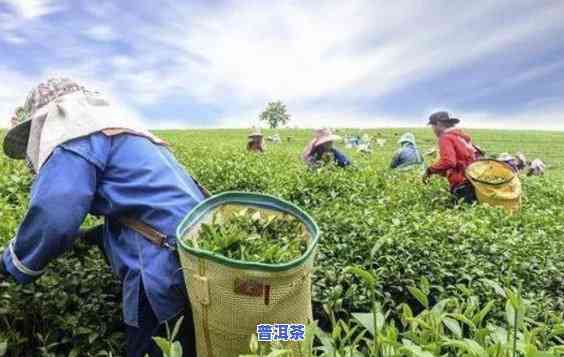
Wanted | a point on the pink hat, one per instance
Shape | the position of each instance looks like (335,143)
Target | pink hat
(322,136)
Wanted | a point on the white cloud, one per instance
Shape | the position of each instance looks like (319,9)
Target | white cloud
(12,95)
(544,119)
(102,33)
(20,84)
(122,62)
(317,119)
(100,8)
(547,119)
(538,72)
(14,39)
(23,17)
(297,51)
(239,57)
(29,9)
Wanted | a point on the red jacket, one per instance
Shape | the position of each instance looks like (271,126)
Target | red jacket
(456,153)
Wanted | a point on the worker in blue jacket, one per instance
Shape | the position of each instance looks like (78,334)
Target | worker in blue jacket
(408,155)
(112,169)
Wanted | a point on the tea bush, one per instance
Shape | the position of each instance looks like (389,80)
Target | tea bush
(381,221)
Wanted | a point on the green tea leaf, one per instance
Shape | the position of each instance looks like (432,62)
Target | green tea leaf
(498,289)
(163,344)
(419,295)
(453,326)
(364,275)
(366,320)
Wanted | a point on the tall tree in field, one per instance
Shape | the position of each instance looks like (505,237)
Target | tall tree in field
(275,115)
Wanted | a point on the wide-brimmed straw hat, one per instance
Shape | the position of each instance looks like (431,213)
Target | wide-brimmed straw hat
(323,136)
(255,133)
(442,117)
(15,142)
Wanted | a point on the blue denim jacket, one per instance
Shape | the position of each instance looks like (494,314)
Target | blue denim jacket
(110,177)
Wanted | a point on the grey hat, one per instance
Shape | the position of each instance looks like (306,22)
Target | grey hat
(15,142)
(442,117)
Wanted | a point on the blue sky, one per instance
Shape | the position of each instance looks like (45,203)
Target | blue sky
(334,63)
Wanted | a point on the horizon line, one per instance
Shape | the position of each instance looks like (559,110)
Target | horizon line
(345,128)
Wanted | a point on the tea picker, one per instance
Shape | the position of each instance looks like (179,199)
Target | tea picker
(514,162)
(321,150)
(255,141)
(408,155)
(90,157)
(456,153)
(536,168)
(519,163)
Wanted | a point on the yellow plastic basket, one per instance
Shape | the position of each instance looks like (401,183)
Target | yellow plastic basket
(496,184)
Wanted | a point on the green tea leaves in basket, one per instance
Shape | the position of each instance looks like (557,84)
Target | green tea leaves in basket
(254,236)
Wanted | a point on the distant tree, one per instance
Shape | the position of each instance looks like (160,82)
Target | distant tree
(275,115)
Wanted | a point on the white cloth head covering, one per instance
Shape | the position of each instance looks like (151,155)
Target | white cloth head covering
(73,116)
(407,138)
(537,167)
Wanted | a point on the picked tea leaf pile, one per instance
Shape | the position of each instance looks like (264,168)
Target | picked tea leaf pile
(250,235)
(492,179)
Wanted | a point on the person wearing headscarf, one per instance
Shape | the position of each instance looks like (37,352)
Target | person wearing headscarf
(519,163)
(456,153)
(536,168)
(321,150)
(256,141)
(408,155)
(510,160)
(89,157)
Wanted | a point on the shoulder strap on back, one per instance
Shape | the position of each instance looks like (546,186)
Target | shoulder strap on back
(150,233)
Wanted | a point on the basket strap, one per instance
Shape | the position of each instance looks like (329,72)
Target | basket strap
(204,190)
(148,232)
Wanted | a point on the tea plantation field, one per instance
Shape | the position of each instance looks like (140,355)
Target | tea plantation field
(436,280)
